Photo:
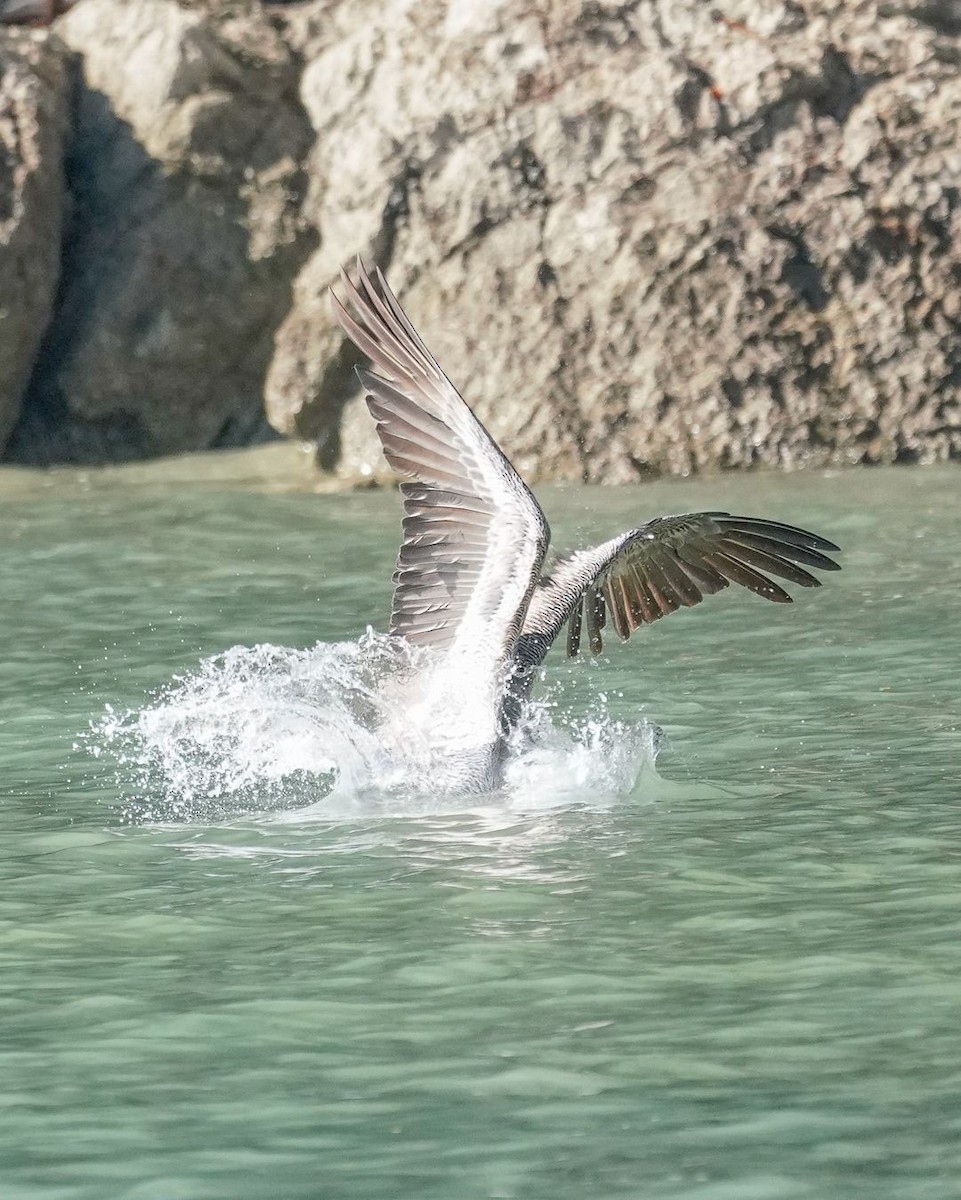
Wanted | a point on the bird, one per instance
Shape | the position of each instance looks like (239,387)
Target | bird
(470,582)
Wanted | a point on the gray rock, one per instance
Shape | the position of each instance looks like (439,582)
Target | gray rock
(32,12)
(643,237)
(33,123)
(187,174)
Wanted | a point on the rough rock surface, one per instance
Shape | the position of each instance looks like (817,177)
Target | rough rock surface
(33,123)
(643,236)
(186,170)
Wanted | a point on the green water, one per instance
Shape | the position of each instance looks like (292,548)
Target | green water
(740,980)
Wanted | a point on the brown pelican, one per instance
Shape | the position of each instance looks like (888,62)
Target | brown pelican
(468,580)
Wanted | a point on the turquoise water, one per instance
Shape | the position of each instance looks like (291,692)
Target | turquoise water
(735,976)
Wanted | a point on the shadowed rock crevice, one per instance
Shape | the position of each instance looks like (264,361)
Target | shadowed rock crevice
(34,120)
(942,15)
(832,91)
(187,180)
(803,276)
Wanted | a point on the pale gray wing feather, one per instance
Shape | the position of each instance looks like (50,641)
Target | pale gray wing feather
(474,537)
(667,564)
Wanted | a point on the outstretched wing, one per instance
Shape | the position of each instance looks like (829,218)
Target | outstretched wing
(474,537)
(669,563)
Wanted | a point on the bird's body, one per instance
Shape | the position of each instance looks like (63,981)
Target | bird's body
(468,581)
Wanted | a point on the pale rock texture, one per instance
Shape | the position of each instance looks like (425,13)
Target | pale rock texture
(186,170)
(640,235)
(654,235)
(33,126)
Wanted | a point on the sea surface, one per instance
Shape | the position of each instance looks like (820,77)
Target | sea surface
(705,944)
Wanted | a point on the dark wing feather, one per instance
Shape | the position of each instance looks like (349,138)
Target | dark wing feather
(669,563)
(474,537)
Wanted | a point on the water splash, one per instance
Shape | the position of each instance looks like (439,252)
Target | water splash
(267,729)
(560,758)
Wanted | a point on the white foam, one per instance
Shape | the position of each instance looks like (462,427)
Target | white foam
(329,731)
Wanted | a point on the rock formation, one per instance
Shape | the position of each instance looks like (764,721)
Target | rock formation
(32,12)
(33,124)
(186,175)
(640,236)
(644,236)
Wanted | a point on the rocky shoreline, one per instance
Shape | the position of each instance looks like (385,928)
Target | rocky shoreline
(642,237)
